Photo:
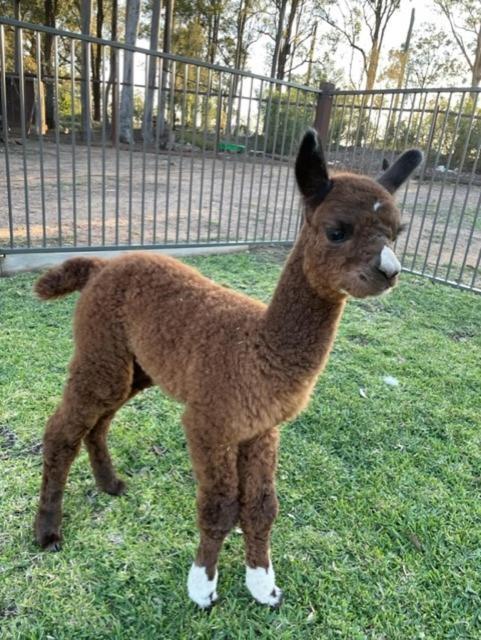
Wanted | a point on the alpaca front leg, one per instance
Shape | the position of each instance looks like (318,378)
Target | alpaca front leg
(215,466)
(259,506)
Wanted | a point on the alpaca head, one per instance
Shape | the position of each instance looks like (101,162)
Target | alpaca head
(351,223)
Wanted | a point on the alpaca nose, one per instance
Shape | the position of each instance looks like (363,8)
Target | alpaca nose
(388,263)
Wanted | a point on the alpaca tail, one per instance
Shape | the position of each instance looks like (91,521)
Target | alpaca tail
(69,276)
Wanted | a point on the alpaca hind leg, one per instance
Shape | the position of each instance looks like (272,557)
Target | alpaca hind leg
(215,466)
(61,444)
(87,397)
(258,509)
(96,441)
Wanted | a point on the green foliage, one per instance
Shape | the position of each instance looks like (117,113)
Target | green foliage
(378,534)
(285,115)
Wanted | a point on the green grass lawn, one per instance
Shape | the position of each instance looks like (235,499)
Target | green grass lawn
(379,534)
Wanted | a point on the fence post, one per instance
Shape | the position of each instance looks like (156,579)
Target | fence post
(323,111)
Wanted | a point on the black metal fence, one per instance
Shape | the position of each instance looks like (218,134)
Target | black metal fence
(186,153)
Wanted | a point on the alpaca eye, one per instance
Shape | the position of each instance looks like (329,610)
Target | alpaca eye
(338,234)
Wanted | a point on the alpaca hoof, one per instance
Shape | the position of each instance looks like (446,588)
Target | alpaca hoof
(275,598)
(201,590)
(116,488)
(261,585)
(49,541)
(272,599)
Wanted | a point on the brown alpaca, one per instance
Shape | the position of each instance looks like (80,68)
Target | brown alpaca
(240,367)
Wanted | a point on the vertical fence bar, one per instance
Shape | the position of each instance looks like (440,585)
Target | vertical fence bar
(348,130)
(148,62)
(87,134)
(21,82)
(193,143)
(57,141)
(39,123)
(358,136)
(73,133)
(216,147)
(368,127)
(267,121)
(172,68)
(182,144)
(273,161)
(3,89)
(290,163)
(341,125)
(236,137)
(104,115)
(386,127)
(159,118)
(405,145)
(281,167)
(254,161)
(204,147)
(246,151)
(116,140)
(294,190)
(131,150)
(380,109)
(224,158)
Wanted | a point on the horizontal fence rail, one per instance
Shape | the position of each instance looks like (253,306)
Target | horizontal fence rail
(177,152)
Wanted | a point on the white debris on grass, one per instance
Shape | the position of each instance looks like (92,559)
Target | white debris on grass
(391,381)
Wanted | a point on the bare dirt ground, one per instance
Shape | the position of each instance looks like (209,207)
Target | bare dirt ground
(126,197)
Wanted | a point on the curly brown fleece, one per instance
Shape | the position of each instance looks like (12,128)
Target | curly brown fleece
(240,367)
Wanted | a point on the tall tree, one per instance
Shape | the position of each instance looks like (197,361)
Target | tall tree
(245,33)
(127,97)
(286,42)
(431,61)
(352,17)
(280,6)
(464,18)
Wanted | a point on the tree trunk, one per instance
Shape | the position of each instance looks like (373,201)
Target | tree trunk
(476,75)
(112,82)
(17,16)
(127,98)
(285,49)
(50,8)
(168,28)
(311,54)
(372,66)
(278,39)
(213,45)
(148,133)
(96,63)
(239,58)
(85,71)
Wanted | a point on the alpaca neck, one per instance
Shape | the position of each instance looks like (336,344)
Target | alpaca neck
(299,325)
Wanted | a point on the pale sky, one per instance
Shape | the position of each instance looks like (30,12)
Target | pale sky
(395,36)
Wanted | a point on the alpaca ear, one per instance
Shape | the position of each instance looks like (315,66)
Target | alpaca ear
(311,170)
(400,171)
